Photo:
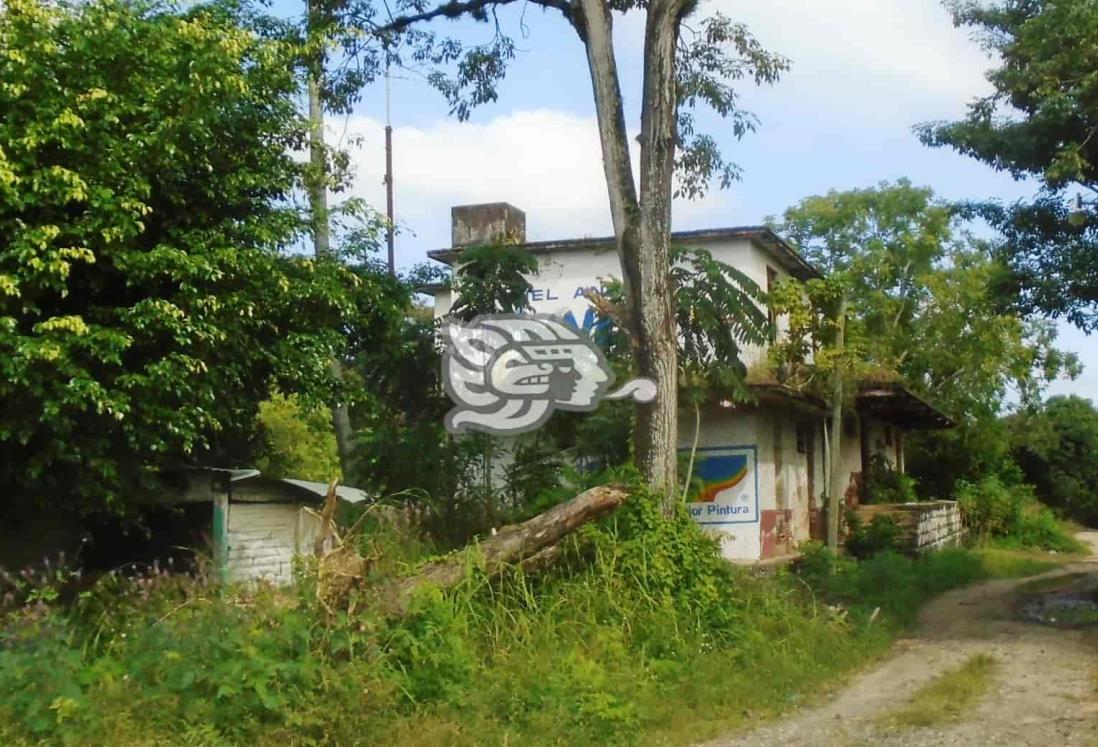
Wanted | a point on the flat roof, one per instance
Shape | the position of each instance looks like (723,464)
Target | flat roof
(794,263)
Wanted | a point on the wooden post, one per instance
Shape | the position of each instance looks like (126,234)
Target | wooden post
(221,536)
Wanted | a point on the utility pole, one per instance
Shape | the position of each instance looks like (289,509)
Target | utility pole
(835,489)
(318,207)
(391,228)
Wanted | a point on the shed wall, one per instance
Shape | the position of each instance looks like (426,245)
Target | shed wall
(265,537)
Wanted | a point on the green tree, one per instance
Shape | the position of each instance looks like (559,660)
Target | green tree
(492,279)
(923,306)
(718,313)
(146,306)
(872,244)
(687,64)
(1040,121)
(343,48)
(1056,446)
(296,440)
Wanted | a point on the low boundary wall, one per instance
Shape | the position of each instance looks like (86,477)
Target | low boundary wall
(924,526)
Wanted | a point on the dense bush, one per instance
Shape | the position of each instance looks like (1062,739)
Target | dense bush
(1012,514)
(886,484)
(1057,450)
(147,298)
(863,540)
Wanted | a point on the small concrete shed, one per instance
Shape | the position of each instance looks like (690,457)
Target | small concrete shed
(259,523)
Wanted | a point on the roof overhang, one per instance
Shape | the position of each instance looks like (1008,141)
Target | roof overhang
(896,404)
(791,260)
(305,491)
(432,289)
(205,484)
(781,395)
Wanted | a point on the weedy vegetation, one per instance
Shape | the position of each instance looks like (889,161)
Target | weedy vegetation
(640,634)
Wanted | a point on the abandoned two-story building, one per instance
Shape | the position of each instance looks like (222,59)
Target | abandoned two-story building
(763,466)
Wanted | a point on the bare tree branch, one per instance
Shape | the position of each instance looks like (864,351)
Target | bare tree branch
(475,8)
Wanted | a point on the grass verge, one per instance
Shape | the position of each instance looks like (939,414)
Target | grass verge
(947,697)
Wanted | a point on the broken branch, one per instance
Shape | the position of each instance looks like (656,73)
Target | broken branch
(534,541)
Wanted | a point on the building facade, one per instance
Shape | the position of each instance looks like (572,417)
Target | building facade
(762,467)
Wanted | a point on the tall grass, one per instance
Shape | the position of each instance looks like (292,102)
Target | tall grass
(641,634)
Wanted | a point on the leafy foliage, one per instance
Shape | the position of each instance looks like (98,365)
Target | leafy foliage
(885,484)
(718,312)
(491,279)
(924,308)
(1056,447)
(296,440)
(146,309)
(880,535)
(1038,122)
(719,315)
(1011,514)
(1047,51)
(707,74)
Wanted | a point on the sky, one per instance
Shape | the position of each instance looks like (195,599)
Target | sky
(863,72)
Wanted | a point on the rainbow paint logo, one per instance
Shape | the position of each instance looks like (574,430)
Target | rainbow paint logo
(719,473)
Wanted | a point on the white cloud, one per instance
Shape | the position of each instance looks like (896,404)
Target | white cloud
(876,64)
(886,60)
(547,163)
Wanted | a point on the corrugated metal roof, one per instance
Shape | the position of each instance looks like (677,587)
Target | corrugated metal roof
(320,490)
(311,489)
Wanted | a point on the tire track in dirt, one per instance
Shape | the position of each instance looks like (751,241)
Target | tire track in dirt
(1043,691)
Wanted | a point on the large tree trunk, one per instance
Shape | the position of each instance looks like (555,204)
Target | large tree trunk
(531,544)
(642,227)
(657,431)
(318,208)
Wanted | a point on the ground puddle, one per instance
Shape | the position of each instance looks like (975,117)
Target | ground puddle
(1063,602)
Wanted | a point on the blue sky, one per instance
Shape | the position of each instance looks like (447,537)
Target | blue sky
(863,73)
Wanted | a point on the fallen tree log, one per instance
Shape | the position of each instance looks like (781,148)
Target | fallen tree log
(533,540)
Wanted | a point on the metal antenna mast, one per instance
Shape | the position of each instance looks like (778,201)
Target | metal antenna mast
(390,229)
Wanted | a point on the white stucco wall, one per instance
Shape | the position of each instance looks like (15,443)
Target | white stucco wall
(784,501)
(740,539)
(564,276)
(851,450)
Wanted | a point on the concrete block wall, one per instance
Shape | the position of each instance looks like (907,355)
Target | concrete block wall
(940,525)
(923,526)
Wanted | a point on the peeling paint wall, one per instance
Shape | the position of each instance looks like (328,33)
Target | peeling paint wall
(785,504)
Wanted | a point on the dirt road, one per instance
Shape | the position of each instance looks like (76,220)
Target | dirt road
(1044,690)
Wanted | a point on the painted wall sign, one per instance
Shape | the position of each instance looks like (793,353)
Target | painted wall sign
(729,492)
(567,299)
(506,373)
